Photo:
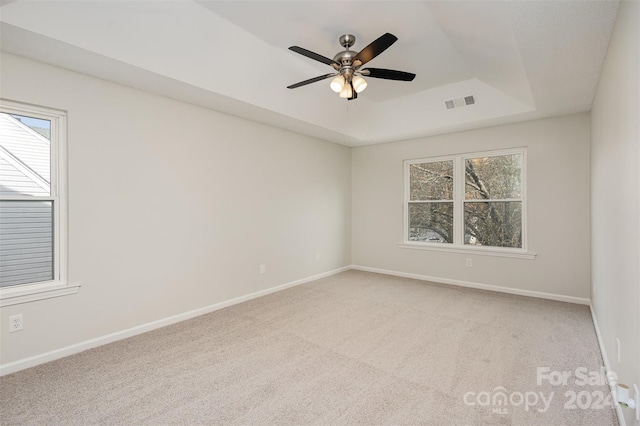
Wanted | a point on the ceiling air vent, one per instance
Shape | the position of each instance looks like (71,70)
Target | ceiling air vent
(460,102)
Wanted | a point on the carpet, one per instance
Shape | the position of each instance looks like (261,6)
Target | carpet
(355,348)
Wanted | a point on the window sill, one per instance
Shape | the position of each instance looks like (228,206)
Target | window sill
(34,292)
(518,254)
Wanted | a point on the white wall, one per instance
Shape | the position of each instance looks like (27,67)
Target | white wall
(558,207)
(615,198)
(173,207)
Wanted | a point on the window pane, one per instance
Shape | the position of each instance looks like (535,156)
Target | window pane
(431,181)
(26,242)
(493,178)
(495,224)
(431,222)
(25,157)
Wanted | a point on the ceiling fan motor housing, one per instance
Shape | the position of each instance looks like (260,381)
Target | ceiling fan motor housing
(345,58)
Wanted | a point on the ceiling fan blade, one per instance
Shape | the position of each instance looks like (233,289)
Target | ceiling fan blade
(313,55)
(311,80)
(388,74)
(378,46)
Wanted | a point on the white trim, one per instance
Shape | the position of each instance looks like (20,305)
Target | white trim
(469,284)
(469,250)
(59,286)
(15,295)
(407,189)
(32,361)
(459,198)
(607,366)
(59,187)
(458,202)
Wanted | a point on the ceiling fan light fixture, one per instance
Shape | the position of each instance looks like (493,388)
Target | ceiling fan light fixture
(337,84)
(359,84)
(347,91)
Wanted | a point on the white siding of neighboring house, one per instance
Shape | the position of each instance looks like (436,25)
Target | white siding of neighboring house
(26,227)
(16,180)
(26,235)
(27,145)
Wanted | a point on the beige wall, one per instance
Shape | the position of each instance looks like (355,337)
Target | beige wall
(615,198)
(173,207)
(558,207)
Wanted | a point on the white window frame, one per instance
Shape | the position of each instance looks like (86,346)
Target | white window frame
(60,285)
(459,180)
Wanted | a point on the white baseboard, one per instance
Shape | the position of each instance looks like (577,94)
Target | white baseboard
(32,361)
(607,366)
(24,363)
(510,290)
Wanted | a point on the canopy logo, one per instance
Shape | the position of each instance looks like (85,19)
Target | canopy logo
(499,400)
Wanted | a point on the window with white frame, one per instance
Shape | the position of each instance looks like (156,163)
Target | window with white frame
(33,235)
(469,201)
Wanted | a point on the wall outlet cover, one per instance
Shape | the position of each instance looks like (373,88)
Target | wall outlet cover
(15,323)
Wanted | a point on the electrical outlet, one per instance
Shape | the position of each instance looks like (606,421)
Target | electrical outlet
(263,269)
(317,257)
(15,323)
(469,263)
(618,349)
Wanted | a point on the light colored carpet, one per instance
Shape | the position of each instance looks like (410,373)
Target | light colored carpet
(354,348)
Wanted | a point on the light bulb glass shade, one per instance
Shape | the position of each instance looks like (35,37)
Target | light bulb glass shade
(347,91)
(359,83)
(337,84)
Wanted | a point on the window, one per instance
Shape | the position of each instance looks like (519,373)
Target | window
(33,239)
(470,202)
(431,201)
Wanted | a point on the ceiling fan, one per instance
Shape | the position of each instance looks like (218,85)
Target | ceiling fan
(348,80)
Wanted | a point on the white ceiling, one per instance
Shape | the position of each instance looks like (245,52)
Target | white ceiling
(520,59)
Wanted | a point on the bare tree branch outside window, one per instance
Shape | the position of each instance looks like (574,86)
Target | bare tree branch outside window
(492,203)
(431,202)
(493,206)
